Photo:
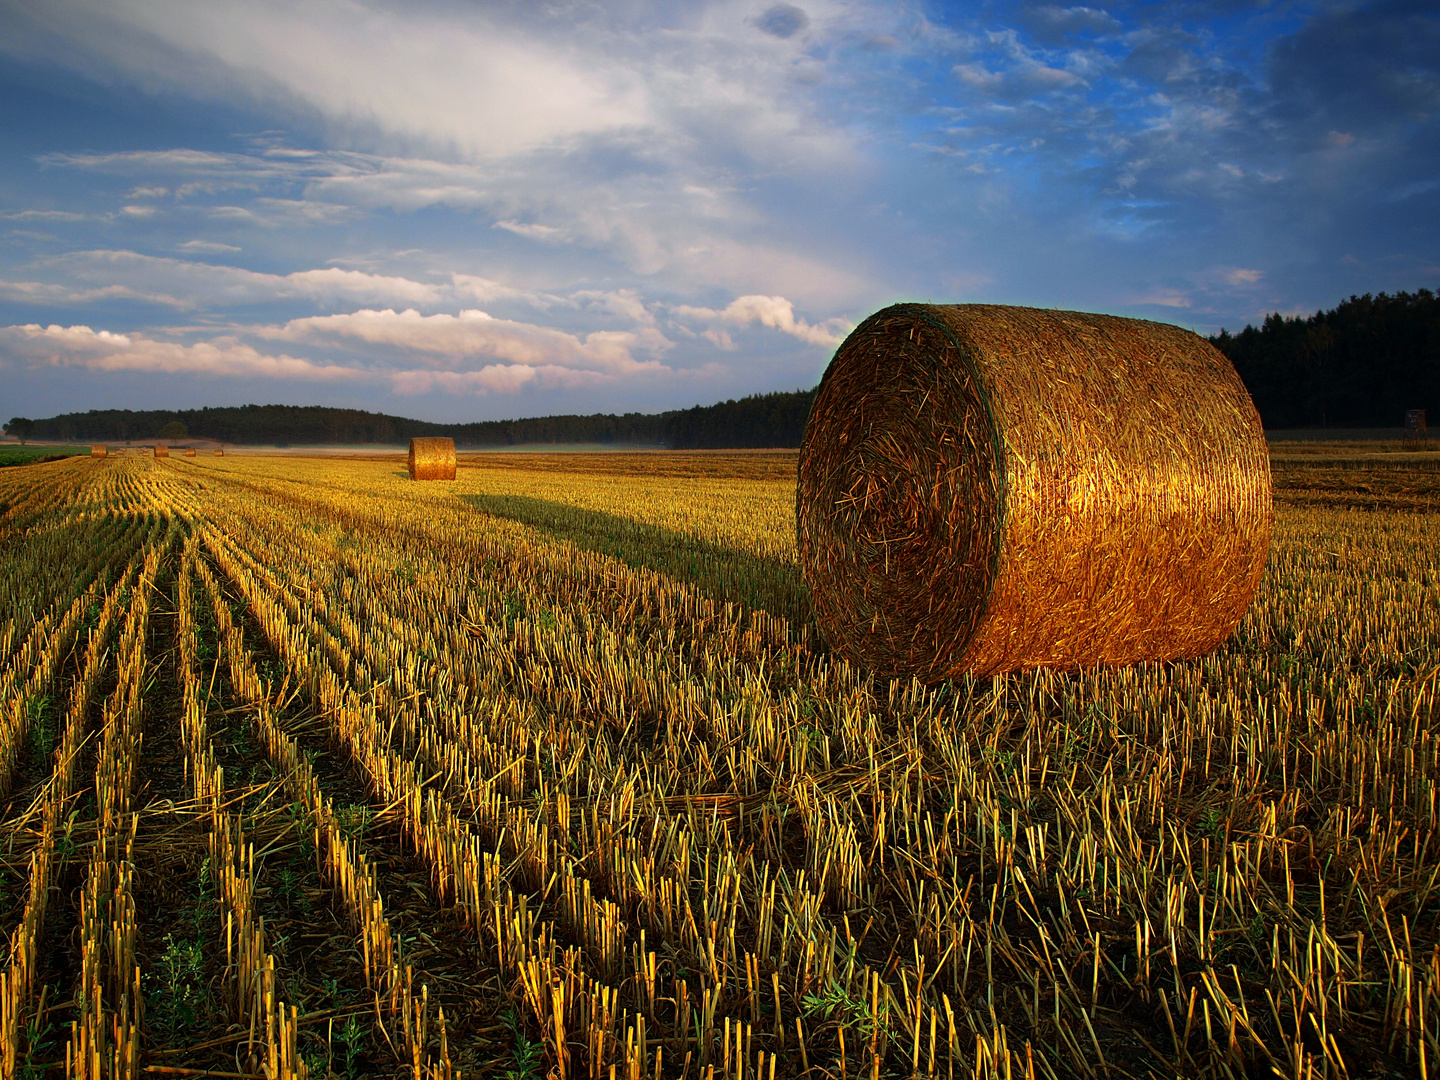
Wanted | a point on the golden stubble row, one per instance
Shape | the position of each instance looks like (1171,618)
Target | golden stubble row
(340,859)
(250,972)
(17,985)
(105,1040)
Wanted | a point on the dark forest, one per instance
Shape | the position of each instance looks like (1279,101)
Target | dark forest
(1364,363)
(759,421)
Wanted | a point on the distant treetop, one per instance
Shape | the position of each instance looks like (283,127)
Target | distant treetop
(1364,363)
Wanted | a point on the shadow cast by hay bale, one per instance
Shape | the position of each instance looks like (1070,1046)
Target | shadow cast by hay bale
(720,572)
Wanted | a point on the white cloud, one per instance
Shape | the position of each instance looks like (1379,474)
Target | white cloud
(183,282)
(595,130)
(268,213)
(493,379)
(476,83)
(1172,298)
(524,356)
(51,294)
(775,312)
(209,247)
(43,215)
(473,335)
(545,234)
(101,350)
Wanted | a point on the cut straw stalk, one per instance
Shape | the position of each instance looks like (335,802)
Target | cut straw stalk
(432,459)
(985,488)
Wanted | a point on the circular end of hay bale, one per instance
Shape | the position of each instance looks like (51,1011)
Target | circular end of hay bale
(98,450)
(432,459)
(898,507)
(983,489)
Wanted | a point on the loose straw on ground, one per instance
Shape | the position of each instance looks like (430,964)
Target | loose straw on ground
(986,488)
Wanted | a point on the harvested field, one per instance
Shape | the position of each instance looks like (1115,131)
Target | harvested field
(300,757)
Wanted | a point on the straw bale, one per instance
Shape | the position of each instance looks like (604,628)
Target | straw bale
(985,488)
(189,451)
(432,459)
(219,451)
(162,451)
(98,450)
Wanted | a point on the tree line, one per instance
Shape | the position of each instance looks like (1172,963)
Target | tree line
(1364,363)
(755,422)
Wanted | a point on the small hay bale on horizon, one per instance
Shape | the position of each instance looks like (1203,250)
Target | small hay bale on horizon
(984,489)
(432,459)
(162,451)
(219,451)
(99,450)
(189,451)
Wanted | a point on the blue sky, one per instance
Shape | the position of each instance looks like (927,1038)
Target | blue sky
(482,210)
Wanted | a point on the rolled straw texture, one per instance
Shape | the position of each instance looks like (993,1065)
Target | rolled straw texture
(162,451)
(219,451)
(189,451)
(97,450)
(432,459)
(985,488)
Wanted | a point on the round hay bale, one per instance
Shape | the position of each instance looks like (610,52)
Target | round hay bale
(432,459)
(219,451)
(162,451)
(984,489)
(189,451)
(98,450)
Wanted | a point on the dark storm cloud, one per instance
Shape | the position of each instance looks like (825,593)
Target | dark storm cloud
(782,20)
(1373,69)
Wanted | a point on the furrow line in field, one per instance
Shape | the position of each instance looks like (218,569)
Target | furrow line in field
(406,1018)
(105,1041)
(17,984)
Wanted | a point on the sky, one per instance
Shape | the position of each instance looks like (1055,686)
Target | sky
(465,211)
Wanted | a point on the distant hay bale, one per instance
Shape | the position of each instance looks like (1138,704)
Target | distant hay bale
(219,451)
(984,489)
(98,450)
(190,451)
(162,451)
(432,459)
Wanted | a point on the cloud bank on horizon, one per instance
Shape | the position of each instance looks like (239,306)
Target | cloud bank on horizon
(481,211)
